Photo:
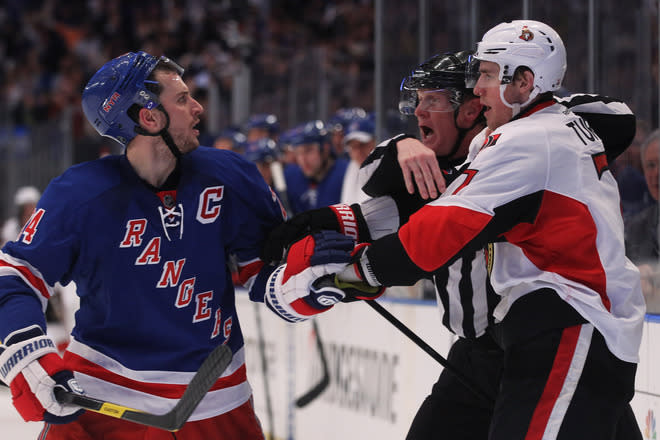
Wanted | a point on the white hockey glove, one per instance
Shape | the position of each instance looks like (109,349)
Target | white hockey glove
(290,290)
(359,271)
(30,365)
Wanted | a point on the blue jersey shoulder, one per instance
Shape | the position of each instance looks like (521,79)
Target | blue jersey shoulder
(83,182)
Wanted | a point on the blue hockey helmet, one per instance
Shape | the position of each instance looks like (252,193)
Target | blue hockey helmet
(261,150)
(361,129)
(116,87)
(344,116)
(312,132)
(237,140)
(288,137)
(267,122)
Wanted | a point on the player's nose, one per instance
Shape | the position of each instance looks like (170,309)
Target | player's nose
(197,107)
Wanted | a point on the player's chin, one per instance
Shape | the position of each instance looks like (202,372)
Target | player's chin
(191,145)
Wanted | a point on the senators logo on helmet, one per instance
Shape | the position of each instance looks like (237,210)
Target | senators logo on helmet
(526,34)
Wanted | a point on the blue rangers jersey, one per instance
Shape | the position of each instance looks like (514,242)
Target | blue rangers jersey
(305,193)
(151,270)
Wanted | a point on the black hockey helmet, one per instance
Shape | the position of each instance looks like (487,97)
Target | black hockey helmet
(442,72)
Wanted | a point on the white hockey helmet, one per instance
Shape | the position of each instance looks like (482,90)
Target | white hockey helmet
(526,43)
(25,195)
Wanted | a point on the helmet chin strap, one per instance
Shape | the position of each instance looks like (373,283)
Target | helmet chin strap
(516,107)
(163,133)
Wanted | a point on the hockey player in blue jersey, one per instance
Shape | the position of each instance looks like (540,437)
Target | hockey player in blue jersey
(147,236)
(316,178)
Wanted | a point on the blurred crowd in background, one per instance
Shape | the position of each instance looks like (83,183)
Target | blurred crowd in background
(50,51)
(290,84)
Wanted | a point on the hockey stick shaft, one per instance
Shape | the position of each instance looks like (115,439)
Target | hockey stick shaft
(429,350)
(317,389)
(261,343)
(208,373)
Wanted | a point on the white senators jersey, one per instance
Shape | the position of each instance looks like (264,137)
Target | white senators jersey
(539,197)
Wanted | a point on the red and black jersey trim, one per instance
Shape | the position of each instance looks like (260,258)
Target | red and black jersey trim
(393,266)
(600,162)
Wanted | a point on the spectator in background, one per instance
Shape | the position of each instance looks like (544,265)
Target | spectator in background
(316,179)
(629,175)
(262,152)
(25,200)
(359,141)
(337,125)
(642,228)
(287,152)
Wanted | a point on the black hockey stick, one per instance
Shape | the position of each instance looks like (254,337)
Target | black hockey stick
(365,288)
(428,349)
(317,389)
(208,373)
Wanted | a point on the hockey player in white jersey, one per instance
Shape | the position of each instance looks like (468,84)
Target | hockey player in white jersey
(448,117)
(147,237)
(539,197)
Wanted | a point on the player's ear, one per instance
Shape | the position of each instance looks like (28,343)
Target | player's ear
(525,80)
(470,111)
(151,120)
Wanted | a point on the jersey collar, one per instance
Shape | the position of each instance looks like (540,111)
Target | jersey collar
(537,106)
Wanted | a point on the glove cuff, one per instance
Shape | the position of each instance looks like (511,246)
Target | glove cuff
(366,271)
(17,356)
(360,270)
(346,220)
(275,300)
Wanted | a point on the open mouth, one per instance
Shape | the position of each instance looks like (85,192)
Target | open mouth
(425,130)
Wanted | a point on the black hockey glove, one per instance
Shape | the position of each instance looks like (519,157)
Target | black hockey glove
(341,218)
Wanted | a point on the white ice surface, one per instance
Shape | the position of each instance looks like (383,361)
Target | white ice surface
(12,426)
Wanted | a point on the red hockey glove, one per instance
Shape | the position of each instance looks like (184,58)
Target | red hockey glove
(341,218)
(29,363)
(290,290)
